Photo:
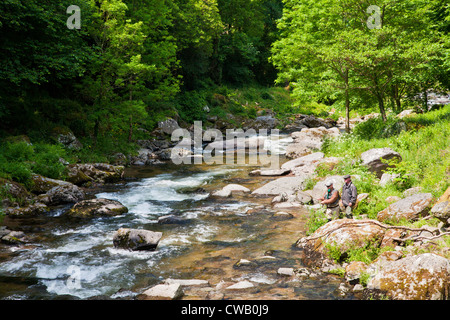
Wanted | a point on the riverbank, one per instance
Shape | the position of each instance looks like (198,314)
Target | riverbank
(262,249)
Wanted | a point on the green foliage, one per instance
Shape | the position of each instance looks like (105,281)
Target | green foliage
(316,219)
(19,160)
(327,52)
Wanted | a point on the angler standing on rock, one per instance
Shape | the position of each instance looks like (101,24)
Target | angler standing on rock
(331,200)
(349,195)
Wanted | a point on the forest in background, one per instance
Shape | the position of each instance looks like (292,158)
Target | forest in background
(131,64)
(134,63)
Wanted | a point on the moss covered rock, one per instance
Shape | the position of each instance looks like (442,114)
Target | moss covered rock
(420,277)
(97,207)
(82,173)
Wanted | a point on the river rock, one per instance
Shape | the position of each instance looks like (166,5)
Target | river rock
(12,237)
(354,270)
(281,215)
(308,140)
(41,184)
(342,235)
(164,292)
(228,190)
(419,277)
(269,172)
(136,239)
(66,138)
(188,282)
(288,185)
(302,161)
(374,159)
(168,126)
(410,208)
(97,207)
(31,210)
(245,284)
(82,173)
(13,193)
(441,209)
(69,193)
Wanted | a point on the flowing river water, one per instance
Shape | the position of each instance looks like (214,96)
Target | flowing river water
(206,242)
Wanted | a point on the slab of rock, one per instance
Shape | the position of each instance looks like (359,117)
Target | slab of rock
(31,210)
(288,185)
(441,209)
(228,190)
(136,239)
(81,173)
(410,208)
(285,272)
(241,285)
(374,159)
(188,282)
(269,172)
(164,292)
(41,184)
(301,161)
(307,140)
(420,277)
(97,207)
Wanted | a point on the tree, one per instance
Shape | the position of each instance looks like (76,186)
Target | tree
(331,43)
(117,66)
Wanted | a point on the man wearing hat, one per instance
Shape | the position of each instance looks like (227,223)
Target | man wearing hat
(331,200)
(349,195)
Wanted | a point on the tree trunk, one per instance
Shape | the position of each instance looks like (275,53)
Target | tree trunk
(398,104)
(347,104)
(381,106)
(130,130)
(425,100)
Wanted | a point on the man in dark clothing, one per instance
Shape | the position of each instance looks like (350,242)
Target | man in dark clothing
(349,195)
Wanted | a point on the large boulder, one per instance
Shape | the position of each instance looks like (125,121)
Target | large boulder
(41,184)
(66,138)
(375,159)
(307,140)
(64,194)
(82,173)
(97,207)
(136,239)
(13,193)
(420,277)
(339,235)
(302,161)
(441,209)
(288,185)
(168,126)
(410,208)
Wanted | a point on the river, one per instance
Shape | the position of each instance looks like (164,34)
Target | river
(72,259)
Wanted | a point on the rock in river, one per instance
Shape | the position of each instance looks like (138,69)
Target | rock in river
(97,207)
(136,239)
